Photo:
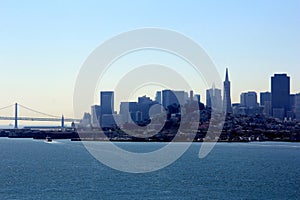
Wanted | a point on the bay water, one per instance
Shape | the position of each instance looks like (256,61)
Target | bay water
(35,169)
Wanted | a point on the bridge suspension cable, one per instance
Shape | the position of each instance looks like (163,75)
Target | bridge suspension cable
(7,107)
(48,115)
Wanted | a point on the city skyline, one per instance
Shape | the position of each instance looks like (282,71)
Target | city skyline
(213,89)
(43,45)
(194,99)
(255,97)
(279,92)
(279,104)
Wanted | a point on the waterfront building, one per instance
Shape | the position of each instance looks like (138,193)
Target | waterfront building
(227,108)
(107,102)
(280,90)
(108,121)
(107,108)
(95,115)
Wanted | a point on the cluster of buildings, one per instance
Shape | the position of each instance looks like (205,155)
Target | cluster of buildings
(138,112)
(278,104)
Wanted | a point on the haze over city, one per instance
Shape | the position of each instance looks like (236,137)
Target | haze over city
(43,45)
(149,99)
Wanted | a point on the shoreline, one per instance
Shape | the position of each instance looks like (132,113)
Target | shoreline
(115,136)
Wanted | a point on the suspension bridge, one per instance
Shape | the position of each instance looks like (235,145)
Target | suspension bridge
(46,117)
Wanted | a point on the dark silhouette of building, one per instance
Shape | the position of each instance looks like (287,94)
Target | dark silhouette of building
(158,97)
(249,100)
(107,102)
(280,90)
(107,109)
(248,104)
(128,112)
(292,102)
(265,97)
(144,105)
(170,97)
(138,112)
(266,103)
(197,98)
(227,97)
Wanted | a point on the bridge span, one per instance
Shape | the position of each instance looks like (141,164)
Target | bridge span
(48,118)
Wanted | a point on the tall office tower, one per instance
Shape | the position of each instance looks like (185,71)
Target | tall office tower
(158,97)
(265,97)
(280,89)
(266,103)
(227,108)
(297,106)
(144,105)
(249,100)
(95,115)
(214,98)
(107,108)
(197,98)
(107,102)
(191,95)
(128,112)
(170,97)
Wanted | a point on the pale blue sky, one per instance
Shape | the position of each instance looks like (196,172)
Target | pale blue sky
(44,43)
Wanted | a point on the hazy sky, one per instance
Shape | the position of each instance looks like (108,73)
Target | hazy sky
(44,43)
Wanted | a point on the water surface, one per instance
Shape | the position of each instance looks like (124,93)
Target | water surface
(34,169)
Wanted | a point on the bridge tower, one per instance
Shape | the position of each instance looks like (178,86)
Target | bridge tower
(62,121)
(16,115)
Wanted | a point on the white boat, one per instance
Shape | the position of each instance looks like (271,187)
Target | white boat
(48,139)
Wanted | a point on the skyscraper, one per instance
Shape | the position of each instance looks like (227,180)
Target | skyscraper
(95,115)
(140,111)
(249,100)
(265,97)
(170,97)
(280,90)
(107,102)
(158,97)
(144,105)
(214,98)
(107,109)
(197,98)
(226,97)
(266,103)
(128,111)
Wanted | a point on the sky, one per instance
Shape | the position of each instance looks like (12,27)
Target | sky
(43,44)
